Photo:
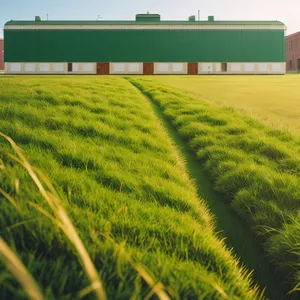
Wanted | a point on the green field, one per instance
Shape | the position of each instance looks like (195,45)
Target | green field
(122,182)
(254,167)
(274,99)
(112,147)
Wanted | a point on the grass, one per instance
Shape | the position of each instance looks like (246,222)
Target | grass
(59,218)
(124,186)
(228,225)
(20,272)
(272,99)
(254,167)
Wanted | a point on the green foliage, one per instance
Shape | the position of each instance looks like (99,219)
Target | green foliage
(255,168)
(121,180)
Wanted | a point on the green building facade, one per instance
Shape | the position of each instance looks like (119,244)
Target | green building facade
(119,47)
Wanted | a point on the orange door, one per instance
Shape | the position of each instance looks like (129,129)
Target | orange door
(102,68)
(148,68)
(193,68)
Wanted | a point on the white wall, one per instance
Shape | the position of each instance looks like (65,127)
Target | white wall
(263,68)
(29,68)
(137,68)
(126,68)
(170,68)
(87,67)
(218,67)
(59,68)
(178,68)
(249,68)
(45,68)
(75,68)
(256,68)
(161,68)
(277,68)
(51,68)
(82,68)
(117,68)
(14,67)
(234,67)
(207,68)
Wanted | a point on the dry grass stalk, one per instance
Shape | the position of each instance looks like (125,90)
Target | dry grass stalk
(156,288)
(20,272)
(62,219)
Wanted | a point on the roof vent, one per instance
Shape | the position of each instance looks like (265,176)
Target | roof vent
(38,18)
(147,17)
(211,18)
(192,18)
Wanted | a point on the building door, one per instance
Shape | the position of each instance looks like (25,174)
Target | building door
(298,65)
(224,67)
(102,68)
(70,67)
(193,68)
(148,68)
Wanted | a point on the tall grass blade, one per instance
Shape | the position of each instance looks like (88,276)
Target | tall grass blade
(63,219)
(17,268)
(10,199)
(157,288)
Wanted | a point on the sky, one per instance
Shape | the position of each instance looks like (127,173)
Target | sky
(285,11)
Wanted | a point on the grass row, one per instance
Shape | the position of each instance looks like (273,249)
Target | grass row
(271,99)
(255,168)
(124,186)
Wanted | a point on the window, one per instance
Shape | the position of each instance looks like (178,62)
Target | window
(263,67)
(224,67)
(75,67)
(249,67)
(133,67)
(44,67)
(235,67)
(29,67)
(15,67)
(177,68)
(70,67)
(118,67)
(276,67)
(207,67)
(88,67)
(58,67)
(162,67)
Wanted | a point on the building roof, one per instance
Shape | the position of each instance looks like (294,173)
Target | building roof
(292,35)
(148,15)
(65,22)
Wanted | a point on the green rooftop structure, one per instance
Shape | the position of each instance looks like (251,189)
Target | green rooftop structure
(147,45)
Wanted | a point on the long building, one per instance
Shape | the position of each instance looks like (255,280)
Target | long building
(1,54)
(147,45)
(293,52)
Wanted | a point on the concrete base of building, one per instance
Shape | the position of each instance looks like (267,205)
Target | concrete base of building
(136,68)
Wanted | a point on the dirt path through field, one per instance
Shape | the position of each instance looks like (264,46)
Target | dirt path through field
(228,224)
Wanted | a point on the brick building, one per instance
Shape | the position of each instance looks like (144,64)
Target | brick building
(1,54)
(293,52)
